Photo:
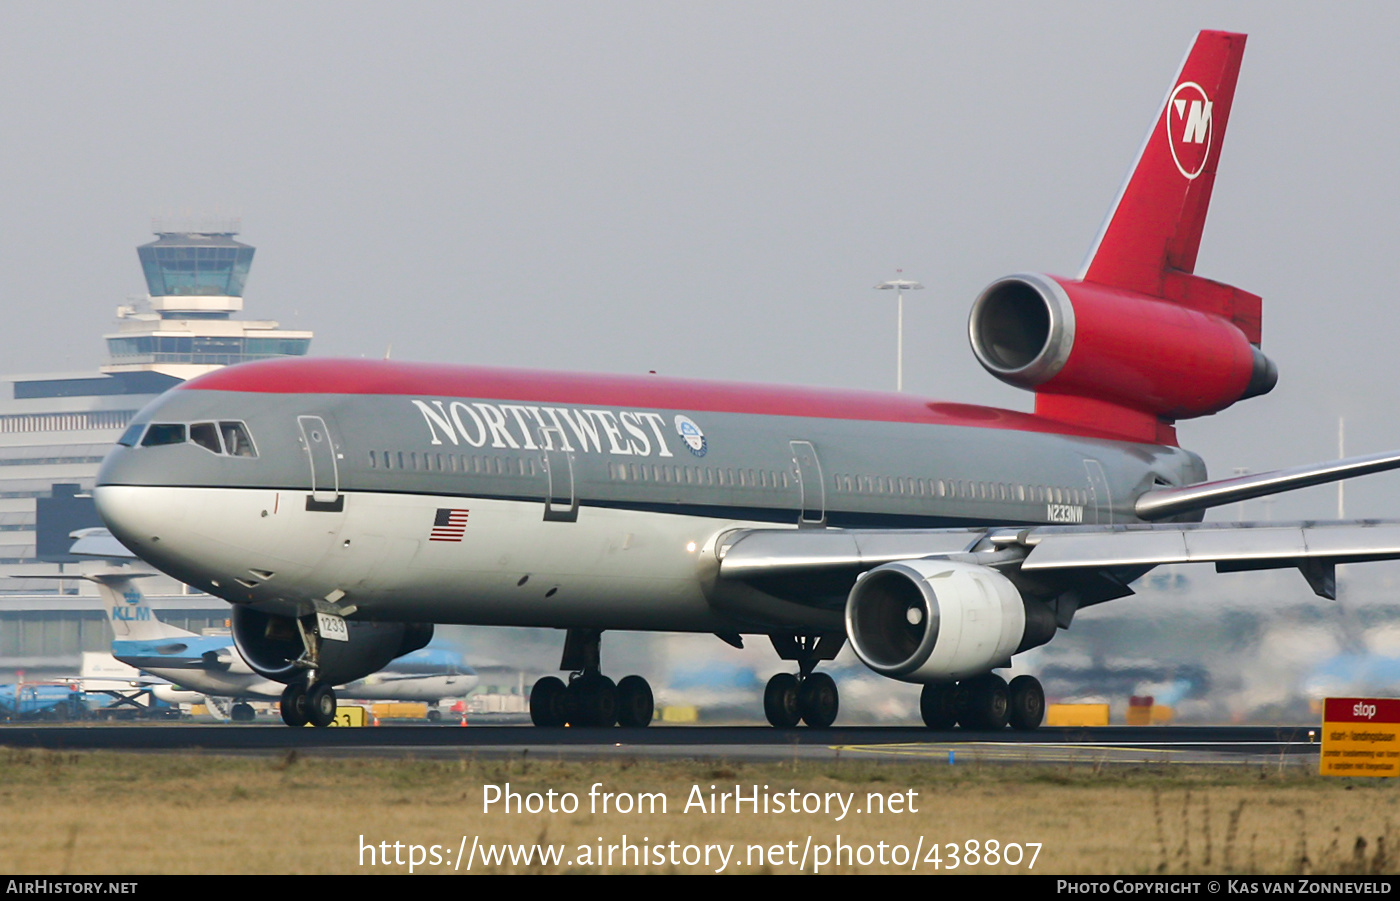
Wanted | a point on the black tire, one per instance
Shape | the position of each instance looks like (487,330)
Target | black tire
(242,713)
(819,700)
(937,707)
(635,703)
(984,703)
(294,705)
(593,702)
(780,701)
(547,706)
(320,705)
(1027,710)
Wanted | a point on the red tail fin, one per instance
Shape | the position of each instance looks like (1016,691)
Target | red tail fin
(1138,341)
(1153,231)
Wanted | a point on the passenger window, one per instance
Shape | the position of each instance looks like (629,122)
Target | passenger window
(206,436)
(237,442)
(162,433)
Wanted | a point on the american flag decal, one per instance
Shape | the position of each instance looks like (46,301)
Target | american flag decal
(449,525)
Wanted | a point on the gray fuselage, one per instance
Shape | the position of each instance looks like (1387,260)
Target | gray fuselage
(569,512)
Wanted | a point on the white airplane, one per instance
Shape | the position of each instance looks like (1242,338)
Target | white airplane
(342,505)
(210,666)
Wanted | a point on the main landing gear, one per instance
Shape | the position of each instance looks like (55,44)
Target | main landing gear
(809,697)
(984,703)
(590,698)
(303,703)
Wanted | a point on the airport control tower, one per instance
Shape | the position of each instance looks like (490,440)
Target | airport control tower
(55,428)
(195,273)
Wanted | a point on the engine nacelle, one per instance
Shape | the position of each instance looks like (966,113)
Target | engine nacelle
(271,644)
(939,621)
(1171,360)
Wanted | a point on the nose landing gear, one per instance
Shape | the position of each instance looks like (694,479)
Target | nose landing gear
(314,704)
(308,700)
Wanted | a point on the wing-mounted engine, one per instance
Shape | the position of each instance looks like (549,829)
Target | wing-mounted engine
(1117,360)
(941,621)
(272,644)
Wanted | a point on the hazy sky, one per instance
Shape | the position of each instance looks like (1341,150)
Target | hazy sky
(703,189)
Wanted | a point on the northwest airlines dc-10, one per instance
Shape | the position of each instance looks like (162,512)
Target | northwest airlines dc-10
(344,506)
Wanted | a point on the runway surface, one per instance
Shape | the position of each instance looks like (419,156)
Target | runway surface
(1107,745)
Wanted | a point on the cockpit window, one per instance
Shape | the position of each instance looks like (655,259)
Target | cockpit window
(237,440)
(223,438)
(161,433)
(131,435)
(206,435)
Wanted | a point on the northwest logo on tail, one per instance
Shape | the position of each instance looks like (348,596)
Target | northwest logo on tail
(1189,128)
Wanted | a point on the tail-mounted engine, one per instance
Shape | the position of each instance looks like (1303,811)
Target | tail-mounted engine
(1117,360)
(272,645)
(939,621)
(1138,340)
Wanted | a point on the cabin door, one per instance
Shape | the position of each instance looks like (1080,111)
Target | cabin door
(321,455)
(810,484)
(560,497)
(1100,507)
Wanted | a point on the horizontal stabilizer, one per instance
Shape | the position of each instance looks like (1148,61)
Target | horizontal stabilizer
(98,542)
(1167,502)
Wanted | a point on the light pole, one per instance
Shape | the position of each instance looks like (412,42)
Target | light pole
(899,286)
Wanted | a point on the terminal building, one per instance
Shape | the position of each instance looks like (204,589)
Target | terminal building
(55,429)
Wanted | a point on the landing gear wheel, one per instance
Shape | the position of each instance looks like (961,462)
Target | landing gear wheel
(320,705)
(937,705)
(242,713)
(1027,703)
(294,705)
(818,700)
(593,699)
(780,701)
(984,703)
(635,705)
(547,702)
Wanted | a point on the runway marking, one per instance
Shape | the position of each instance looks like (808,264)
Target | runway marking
(973,752)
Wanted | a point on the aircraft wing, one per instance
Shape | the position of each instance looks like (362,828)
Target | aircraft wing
(1064,554)
(1229,546)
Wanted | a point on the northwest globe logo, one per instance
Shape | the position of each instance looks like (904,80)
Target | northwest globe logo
(692,436)
(1189,129)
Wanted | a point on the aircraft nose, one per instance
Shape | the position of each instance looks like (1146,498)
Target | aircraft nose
(138,516)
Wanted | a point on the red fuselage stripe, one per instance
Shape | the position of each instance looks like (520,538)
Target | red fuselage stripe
(330,376)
